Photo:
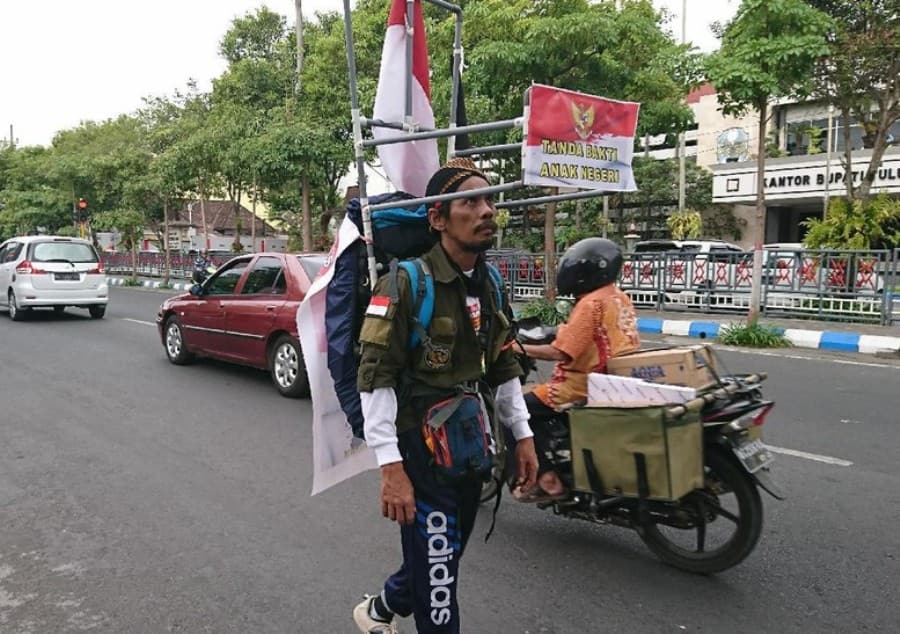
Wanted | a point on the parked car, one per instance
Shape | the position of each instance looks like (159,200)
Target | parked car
(245,313)
(696,263)
(51,272)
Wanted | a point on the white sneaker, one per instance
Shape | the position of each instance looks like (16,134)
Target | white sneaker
(368,625)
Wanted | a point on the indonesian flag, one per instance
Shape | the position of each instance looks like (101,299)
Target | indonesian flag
(408,165)
(579,140)
(337,454)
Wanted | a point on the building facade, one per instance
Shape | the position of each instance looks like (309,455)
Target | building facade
(799,183)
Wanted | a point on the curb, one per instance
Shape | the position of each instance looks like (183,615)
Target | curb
(816,339)
(174,286)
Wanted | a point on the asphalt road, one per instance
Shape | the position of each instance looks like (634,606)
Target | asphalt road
(136,496)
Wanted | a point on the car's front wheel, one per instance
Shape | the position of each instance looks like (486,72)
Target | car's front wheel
(15,313)
(176,351)
(288,368)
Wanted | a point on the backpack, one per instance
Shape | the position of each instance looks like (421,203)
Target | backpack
(398,234)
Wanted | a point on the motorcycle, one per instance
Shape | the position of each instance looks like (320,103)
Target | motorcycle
(200,275)
(708,530)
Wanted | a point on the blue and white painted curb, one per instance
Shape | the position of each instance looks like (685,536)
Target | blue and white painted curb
(175,286)
(817,339)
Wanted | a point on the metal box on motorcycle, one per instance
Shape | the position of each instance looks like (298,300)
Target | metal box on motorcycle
(613,436)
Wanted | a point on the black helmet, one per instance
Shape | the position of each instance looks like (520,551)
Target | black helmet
(588,265)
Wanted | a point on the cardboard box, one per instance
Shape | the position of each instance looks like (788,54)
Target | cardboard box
(688,366)
(607,390)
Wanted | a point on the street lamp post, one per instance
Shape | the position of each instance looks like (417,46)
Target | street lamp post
(681,149)
(828,162)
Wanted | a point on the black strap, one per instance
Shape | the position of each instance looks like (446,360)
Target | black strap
(499,481)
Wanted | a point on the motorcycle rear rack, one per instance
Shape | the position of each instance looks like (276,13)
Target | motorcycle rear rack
(728,390)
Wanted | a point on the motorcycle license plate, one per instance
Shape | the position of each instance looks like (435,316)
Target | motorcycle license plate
(753,454)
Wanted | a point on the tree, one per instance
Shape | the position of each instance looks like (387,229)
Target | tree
(685,225)
(130,224)
(196,155)
(161,117)
(768,51)
(856,224)
(860,77)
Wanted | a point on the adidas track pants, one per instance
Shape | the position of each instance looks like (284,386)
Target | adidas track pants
(425,585)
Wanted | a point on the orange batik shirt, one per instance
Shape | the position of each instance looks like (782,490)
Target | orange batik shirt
(602,325)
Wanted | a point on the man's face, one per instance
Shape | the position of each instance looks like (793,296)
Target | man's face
(470,222)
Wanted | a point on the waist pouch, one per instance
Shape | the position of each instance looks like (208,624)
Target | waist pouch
(457,434)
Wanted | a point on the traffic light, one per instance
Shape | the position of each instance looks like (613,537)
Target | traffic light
(82,210)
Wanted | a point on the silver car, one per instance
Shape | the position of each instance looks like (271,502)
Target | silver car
(51,272)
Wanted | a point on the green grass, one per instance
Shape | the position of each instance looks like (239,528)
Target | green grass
(544,310)
(131,282)
(753,336)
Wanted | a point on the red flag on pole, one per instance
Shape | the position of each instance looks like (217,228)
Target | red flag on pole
(408,165)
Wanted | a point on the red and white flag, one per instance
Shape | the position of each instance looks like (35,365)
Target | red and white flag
(579,140)
(408,165)
(337,454)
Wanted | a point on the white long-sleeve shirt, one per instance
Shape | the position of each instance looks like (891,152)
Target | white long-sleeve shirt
(379,409)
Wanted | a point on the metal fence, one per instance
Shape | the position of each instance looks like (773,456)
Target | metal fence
(154,264)
(837,285)
(821,284)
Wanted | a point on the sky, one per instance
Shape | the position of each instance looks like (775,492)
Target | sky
(63,62)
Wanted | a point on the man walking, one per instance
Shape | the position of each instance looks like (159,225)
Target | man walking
(421,405)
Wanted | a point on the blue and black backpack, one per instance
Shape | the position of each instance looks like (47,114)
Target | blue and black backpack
(400,235)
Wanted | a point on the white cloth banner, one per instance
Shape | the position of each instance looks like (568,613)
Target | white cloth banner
(337,454)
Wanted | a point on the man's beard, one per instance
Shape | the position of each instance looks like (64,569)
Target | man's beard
(480,246)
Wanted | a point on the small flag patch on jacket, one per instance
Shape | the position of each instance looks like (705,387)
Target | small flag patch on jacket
(378,306)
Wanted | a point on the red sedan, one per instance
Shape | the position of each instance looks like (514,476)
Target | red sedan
(246,313)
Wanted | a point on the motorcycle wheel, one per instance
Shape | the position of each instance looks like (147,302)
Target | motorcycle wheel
(728,510)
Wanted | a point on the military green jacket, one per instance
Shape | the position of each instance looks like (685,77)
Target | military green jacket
(455,355)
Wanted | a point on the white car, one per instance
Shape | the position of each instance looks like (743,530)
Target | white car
(701,264)
(51,272)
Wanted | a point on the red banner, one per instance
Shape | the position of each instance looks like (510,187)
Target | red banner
(579,140)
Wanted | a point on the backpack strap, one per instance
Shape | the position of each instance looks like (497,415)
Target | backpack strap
(422,286)
(497,279)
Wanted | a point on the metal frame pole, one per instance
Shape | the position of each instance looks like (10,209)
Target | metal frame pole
(410,29)
(425,200)
(455,83)
(436,134)
(478,151)
(827,194)
(579,195)
(681,147)
(359,149)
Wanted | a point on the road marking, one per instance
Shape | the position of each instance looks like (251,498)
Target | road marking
(798,357)
(139,321)
(795,357)
(810,456)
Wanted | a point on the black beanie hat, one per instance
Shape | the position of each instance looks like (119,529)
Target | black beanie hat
(448,179)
